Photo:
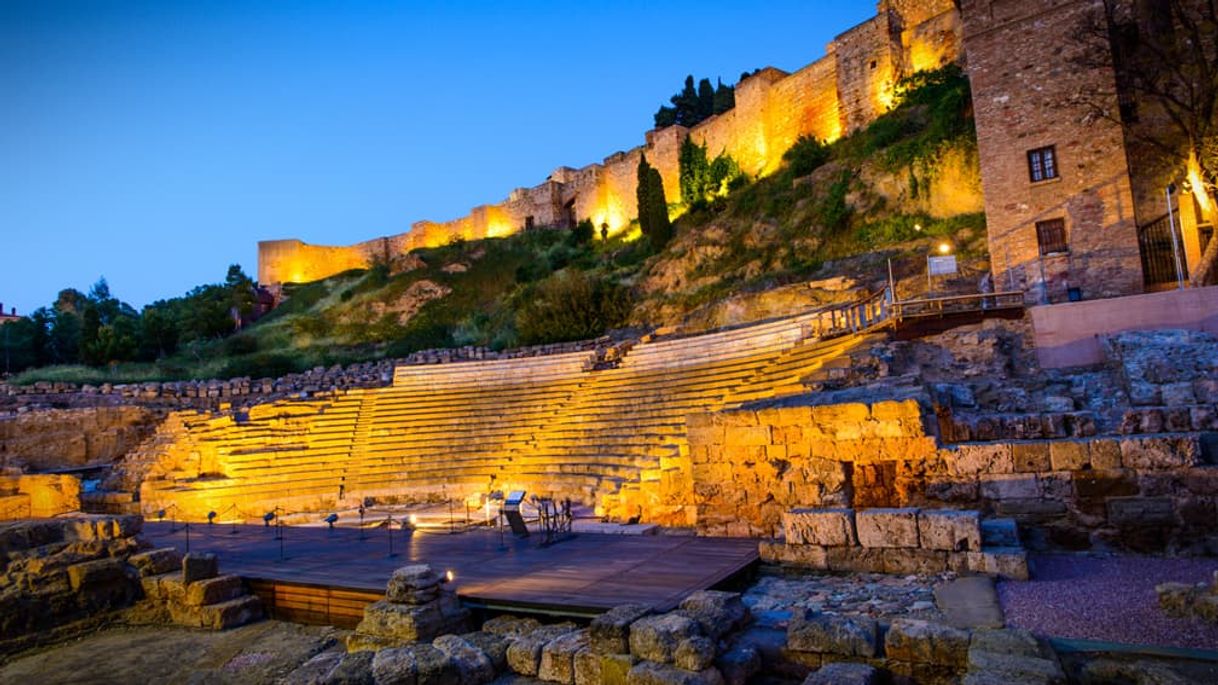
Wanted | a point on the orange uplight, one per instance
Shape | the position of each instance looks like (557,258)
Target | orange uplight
(1198,185)
(945,248)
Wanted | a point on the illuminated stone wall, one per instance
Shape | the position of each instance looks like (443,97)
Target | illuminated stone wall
(826,99)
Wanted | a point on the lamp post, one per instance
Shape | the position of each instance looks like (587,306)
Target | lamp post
(1175,244)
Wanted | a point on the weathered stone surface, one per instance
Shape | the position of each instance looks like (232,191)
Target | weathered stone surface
(1012,641)
(1068,455)
(950,530)
(803,556)
(91,574)
(1176,599)
(831,634)
(414,584)
(1160,452)
(434,666)
(558,657)
(317,669)
(1006,562)
(472,665)
(609,633)
(650,673)
(197,567)
(887,527)
(1031,457)
(1010,668)
(214,590)
(524,654)
(717,613)
(350,669)
(492,645)
(615,668)
(157,561)
(975,460)
(402,622)
(739,664)
(819,527)
(655,638)
(587,665)
(695,653)
(1009,486)
(510,626)
(395,666)
(842,673)
(1141,511)
(999,532)
(926,643)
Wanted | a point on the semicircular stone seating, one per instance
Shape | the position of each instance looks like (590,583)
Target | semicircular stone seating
(614,438)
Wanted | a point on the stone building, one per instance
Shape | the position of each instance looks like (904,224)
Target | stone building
(11,316)
(1076,208)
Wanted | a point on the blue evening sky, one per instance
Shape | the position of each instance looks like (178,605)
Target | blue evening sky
(156,142)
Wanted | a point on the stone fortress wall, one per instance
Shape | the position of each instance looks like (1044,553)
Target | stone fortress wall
(837,94)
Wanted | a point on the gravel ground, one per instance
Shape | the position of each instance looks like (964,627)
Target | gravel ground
(1107,598)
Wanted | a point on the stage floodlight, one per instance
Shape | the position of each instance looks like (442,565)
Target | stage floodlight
(211,517)
(331,519)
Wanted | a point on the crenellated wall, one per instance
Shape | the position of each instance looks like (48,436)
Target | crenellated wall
(835,95)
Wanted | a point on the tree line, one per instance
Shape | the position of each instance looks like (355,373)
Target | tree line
(96,328)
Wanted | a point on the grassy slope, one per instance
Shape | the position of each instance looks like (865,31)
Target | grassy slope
(776,230)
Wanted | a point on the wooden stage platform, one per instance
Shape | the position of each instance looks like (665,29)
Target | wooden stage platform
(327,576)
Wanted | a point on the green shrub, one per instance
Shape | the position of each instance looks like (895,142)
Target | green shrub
(570,306)
(807,155)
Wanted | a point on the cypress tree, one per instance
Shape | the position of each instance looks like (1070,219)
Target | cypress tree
(725,98)
(657,210)
(706,99)
(642,195)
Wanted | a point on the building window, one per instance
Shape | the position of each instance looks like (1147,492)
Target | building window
(1042,163)
(1051,236)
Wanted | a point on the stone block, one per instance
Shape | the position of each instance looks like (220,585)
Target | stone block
(1012,641)
(1068,455)
(434,666)
(887,527)
(524,654)
(803,556)
(829,527)
(214,590)
(655,638)
(510,626)
(393,666)
(609,633)
(857,559)
(615,668)
(96,573)
(924,561)
(1160,452)
(558,657)
(1206,608)
(472,665)
(999,532)
(1009,486)
(587,667)
(1141,511)
(695,653)
(1030,457)
(156,562)
(1178,394)
(926,643)
(410,584)
(739,664)
(196,567)
(843,673)
(949,530)
(1008,668)
(230,614)
(717,613)
(1104,454)
(1176,599)
(650,673)
(1005,562)
(975,460)
(493,646)
(832,634)
(403,623)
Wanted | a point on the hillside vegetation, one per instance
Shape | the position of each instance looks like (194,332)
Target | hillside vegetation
(891,191)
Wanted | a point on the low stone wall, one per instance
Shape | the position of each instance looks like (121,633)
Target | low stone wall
(898,541)
(210,394)
(59,438)
(38,495)
(1144,492)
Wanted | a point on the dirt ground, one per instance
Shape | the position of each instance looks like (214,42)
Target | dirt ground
(259,653)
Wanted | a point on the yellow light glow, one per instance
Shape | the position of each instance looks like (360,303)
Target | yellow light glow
(1198,185)
(945,248)
(449,576)
(918,228)
(414,520)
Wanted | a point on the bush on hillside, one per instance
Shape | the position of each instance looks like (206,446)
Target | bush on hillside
(571,305)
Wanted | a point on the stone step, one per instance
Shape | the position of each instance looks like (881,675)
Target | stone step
(999,532)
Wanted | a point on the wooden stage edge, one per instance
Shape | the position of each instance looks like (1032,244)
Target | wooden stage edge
(316,575)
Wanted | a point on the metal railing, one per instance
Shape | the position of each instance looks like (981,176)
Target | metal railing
(1158,250)
(870,312)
